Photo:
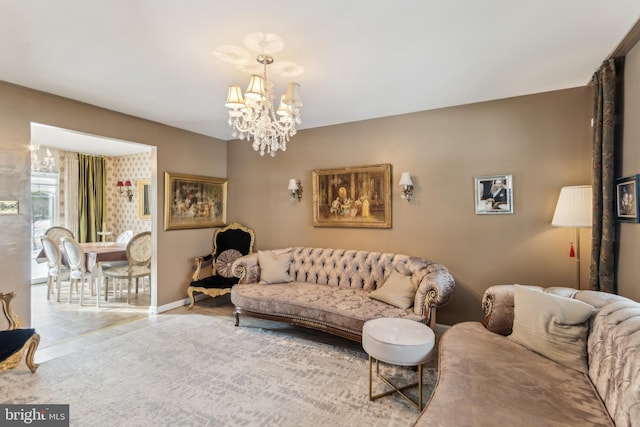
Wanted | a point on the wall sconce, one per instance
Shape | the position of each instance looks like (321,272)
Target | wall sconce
(126,191)
(407,186)
(295,189)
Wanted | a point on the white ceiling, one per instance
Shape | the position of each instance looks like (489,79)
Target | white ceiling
(362,59)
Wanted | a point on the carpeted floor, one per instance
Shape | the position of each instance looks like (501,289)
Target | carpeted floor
(200,370)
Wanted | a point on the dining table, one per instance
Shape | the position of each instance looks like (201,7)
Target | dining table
(96,253)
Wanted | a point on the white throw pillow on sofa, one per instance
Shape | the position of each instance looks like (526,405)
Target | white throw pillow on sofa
(398,290)
(274,266)
(551,325)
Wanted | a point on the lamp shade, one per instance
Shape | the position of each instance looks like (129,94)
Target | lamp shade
(293,184)
(405,179)
(283,108)
(234,97)
(256,90)
(292,96)
(119,183)
(574,208)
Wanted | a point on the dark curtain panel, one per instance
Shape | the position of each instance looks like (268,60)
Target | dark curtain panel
(91,197)
(602,274)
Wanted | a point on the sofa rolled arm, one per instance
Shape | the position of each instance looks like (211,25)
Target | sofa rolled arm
(200,262)
(435,290)
(497,304)
(247,268)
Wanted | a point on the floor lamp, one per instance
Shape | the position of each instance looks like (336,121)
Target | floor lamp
(574,210)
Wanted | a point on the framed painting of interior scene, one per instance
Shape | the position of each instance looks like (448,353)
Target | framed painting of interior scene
(144,198)
(494,194)
(627,193)
(358,196)
(193,201)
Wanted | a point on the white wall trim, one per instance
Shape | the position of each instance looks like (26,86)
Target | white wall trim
(175,304)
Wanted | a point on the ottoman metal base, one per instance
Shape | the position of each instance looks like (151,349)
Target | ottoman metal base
(395,388)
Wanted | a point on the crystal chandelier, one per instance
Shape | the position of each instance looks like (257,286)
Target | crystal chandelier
(253,115)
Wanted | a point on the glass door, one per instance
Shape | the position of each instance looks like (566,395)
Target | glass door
(44,214)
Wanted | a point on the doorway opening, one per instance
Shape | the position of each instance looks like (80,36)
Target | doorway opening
(52,205)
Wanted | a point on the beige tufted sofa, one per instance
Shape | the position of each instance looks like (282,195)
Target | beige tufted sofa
(330,289)
(486,379)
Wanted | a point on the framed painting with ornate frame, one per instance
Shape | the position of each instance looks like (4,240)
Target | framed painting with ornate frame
(358,196)
(627,192)
(144,198)
(493,195)
(194,201)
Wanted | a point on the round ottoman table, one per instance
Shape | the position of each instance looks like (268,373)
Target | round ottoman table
(398,342)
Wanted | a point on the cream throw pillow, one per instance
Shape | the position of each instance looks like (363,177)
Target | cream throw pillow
(554,326)
(398,290)
(274,266)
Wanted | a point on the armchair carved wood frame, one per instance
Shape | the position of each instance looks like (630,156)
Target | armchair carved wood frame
(15,341)
(229,243)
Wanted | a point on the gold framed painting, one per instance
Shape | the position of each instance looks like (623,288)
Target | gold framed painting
(358,196)
(144,198)
(194,201)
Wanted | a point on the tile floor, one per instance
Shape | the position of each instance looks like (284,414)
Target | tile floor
(66,326)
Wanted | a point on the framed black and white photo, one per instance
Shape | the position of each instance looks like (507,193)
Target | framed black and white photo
(493,195)
(627,199)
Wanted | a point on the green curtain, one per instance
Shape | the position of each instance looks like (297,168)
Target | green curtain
(91,197)
(602,271)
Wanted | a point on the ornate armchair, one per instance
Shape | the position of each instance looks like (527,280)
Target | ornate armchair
(229,243)
(14,341)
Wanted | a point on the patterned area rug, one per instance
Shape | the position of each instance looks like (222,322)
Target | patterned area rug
(199,370)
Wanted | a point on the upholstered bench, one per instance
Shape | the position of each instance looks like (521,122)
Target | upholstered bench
(397,342)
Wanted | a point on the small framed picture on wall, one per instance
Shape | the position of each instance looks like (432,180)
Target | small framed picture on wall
(627,199)
(494,194)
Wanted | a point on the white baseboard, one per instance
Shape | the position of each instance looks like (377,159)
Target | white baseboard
(175,304)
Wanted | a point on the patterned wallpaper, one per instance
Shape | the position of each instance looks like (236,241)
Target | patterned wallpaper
(122,215)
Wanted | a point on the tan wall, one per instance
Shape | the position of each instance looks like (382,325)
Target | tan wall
(177,151)
(628,267)
(544,141)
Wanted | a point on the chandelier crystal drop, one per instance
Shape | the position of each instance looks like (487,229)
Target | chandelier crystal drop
(252,116)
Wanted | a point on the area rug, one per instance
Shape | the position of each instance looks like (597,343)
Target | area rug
(200,370)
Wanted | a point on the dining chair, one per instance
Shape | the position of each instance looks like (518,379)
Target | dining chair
(57,233)
(138,263)
(77,265)
(124,237)
(55,267)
